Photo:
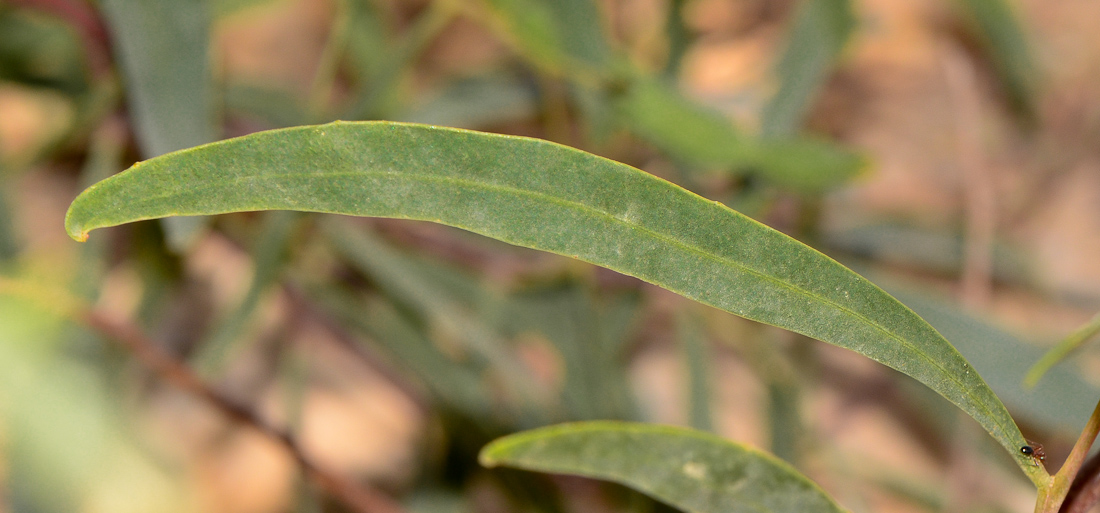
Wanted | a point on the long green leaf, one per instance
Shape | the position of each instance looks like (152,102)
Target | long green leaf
(699,366)
(532,27)
(399,280)
(583,37)
(688,131)
(1061,402)
(550,197)
(268,257)
(691,470)
(9,245)
(162,46)
(454,383)
(589,336)
(1062,351)
(820,29)
(998,28)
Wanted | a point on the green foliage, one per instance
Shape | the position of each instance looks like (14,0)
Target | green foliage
(39,50)
(9,246)
(173,106)
(1059,352)
(997,28)
(549,197)
(269,256)
(820,30)
(464,339)
(687,469)
(704,138)
(1064,348)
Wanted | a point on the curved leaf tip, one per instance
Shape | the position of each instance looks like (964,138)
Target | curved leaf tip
(76,232)
(73,227)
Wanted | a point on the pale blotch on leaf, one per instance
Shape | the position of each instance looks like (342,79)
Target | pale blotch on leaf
(695,470)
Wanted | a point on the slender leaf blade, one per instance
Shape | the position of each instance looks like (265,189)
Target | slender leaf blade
(533,28)
(691,470)
(999,29)
(399,280)
(583,37)
(553,198)
(1061,402)
(699,366)
(162,46)
(1062,351)
(697,135)
(9,244)
(820,29)
(163,49)
(268,257)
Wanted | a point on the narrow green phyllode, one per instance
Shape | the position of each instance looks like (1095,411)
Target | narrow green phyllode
(691,470)
(553,198)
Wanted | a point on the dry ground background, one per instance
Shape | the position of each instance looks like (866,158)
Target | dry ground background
(953,172)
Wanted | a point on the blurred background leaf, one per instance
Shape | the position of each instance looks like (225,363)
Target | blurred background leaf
(686,469)
(162,48)
(1060,352)
(68,448)
(816,38)
(1000,34)
(690,132)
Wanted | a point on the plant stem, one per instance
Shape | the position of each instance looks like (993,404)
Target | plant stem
(1051,497)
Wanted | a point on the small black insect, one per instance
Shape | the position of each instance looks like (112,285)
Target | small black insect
(1035,450)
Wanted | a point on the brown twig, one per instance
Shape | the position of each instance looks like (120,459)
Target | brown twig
(1054,496)
(359,498)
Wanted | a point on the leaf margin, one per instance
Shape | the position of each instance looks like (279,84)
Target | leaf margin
(1009,436)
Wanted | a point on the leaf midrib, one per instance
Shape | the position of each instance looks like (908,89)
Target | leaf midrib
(583,207)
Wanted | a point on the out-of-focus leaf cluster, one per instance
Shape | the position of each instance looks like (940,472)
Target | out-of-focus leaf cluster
(491,339)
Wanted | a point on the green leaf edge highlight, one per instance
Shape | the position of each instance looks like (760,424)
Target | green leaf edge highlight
(694,231)
(501,452)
